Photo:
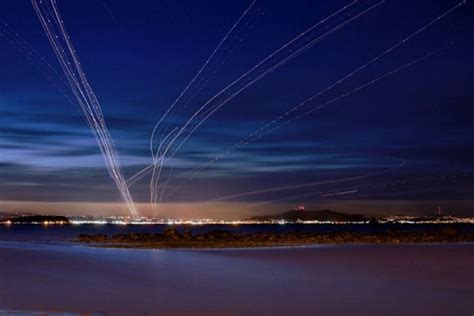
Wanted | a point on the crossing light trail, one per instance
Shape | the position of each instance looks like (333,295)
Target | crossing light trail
(348,93)
(359,88)
(358,191)
(321,193)
(39,61)
(309,184)
(340,193)
(299,196)
(243,76)
(274,60)
(396,193)
(197,76)
(361,191)
(231,41)
(427,182)
(154,189)
(385,75)
(267,128)
(156,166)
(334,192)
(149,168)
(283,188)
(139,175)
(59,39)
(262,66)
(171,141)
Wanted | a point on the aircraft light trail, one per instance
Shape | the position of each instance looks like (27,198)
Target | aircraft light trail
(55,30)
(264,130)
(192,107)
(278,58)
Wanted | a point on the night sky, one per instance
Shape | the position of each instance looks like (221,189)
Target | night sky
(395,145)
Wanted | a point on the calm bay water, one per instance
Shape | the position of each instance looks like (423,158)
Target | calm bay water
(41,271)
(324,280)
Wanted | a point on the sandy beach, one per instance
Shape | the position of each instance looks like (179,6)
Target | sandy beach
(324,280)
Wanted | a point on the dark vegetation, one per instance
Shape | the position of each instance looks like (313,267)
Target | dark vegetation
(171,238)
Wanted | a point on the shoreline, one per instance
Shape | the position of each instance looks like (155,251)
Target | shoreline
(273,246)
(33,244)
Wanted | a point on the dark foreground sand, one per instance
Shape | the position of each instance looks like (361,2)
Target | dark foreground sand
(324,280)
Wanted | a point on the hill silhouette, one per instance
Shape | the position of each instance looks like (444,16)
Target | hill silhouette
(321,215)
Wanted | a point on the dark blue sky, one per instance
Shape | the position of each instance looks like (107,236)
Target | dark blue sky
(138,57)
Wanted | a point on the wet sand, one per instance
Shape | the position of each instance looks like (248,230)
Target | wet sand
(323,280)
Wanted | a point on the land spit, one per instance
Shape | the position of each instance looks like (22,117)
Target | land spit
(172,238)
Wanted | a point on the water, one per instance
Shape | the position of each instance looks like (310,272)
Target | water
(325,280)
(41,271)
(55,233)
